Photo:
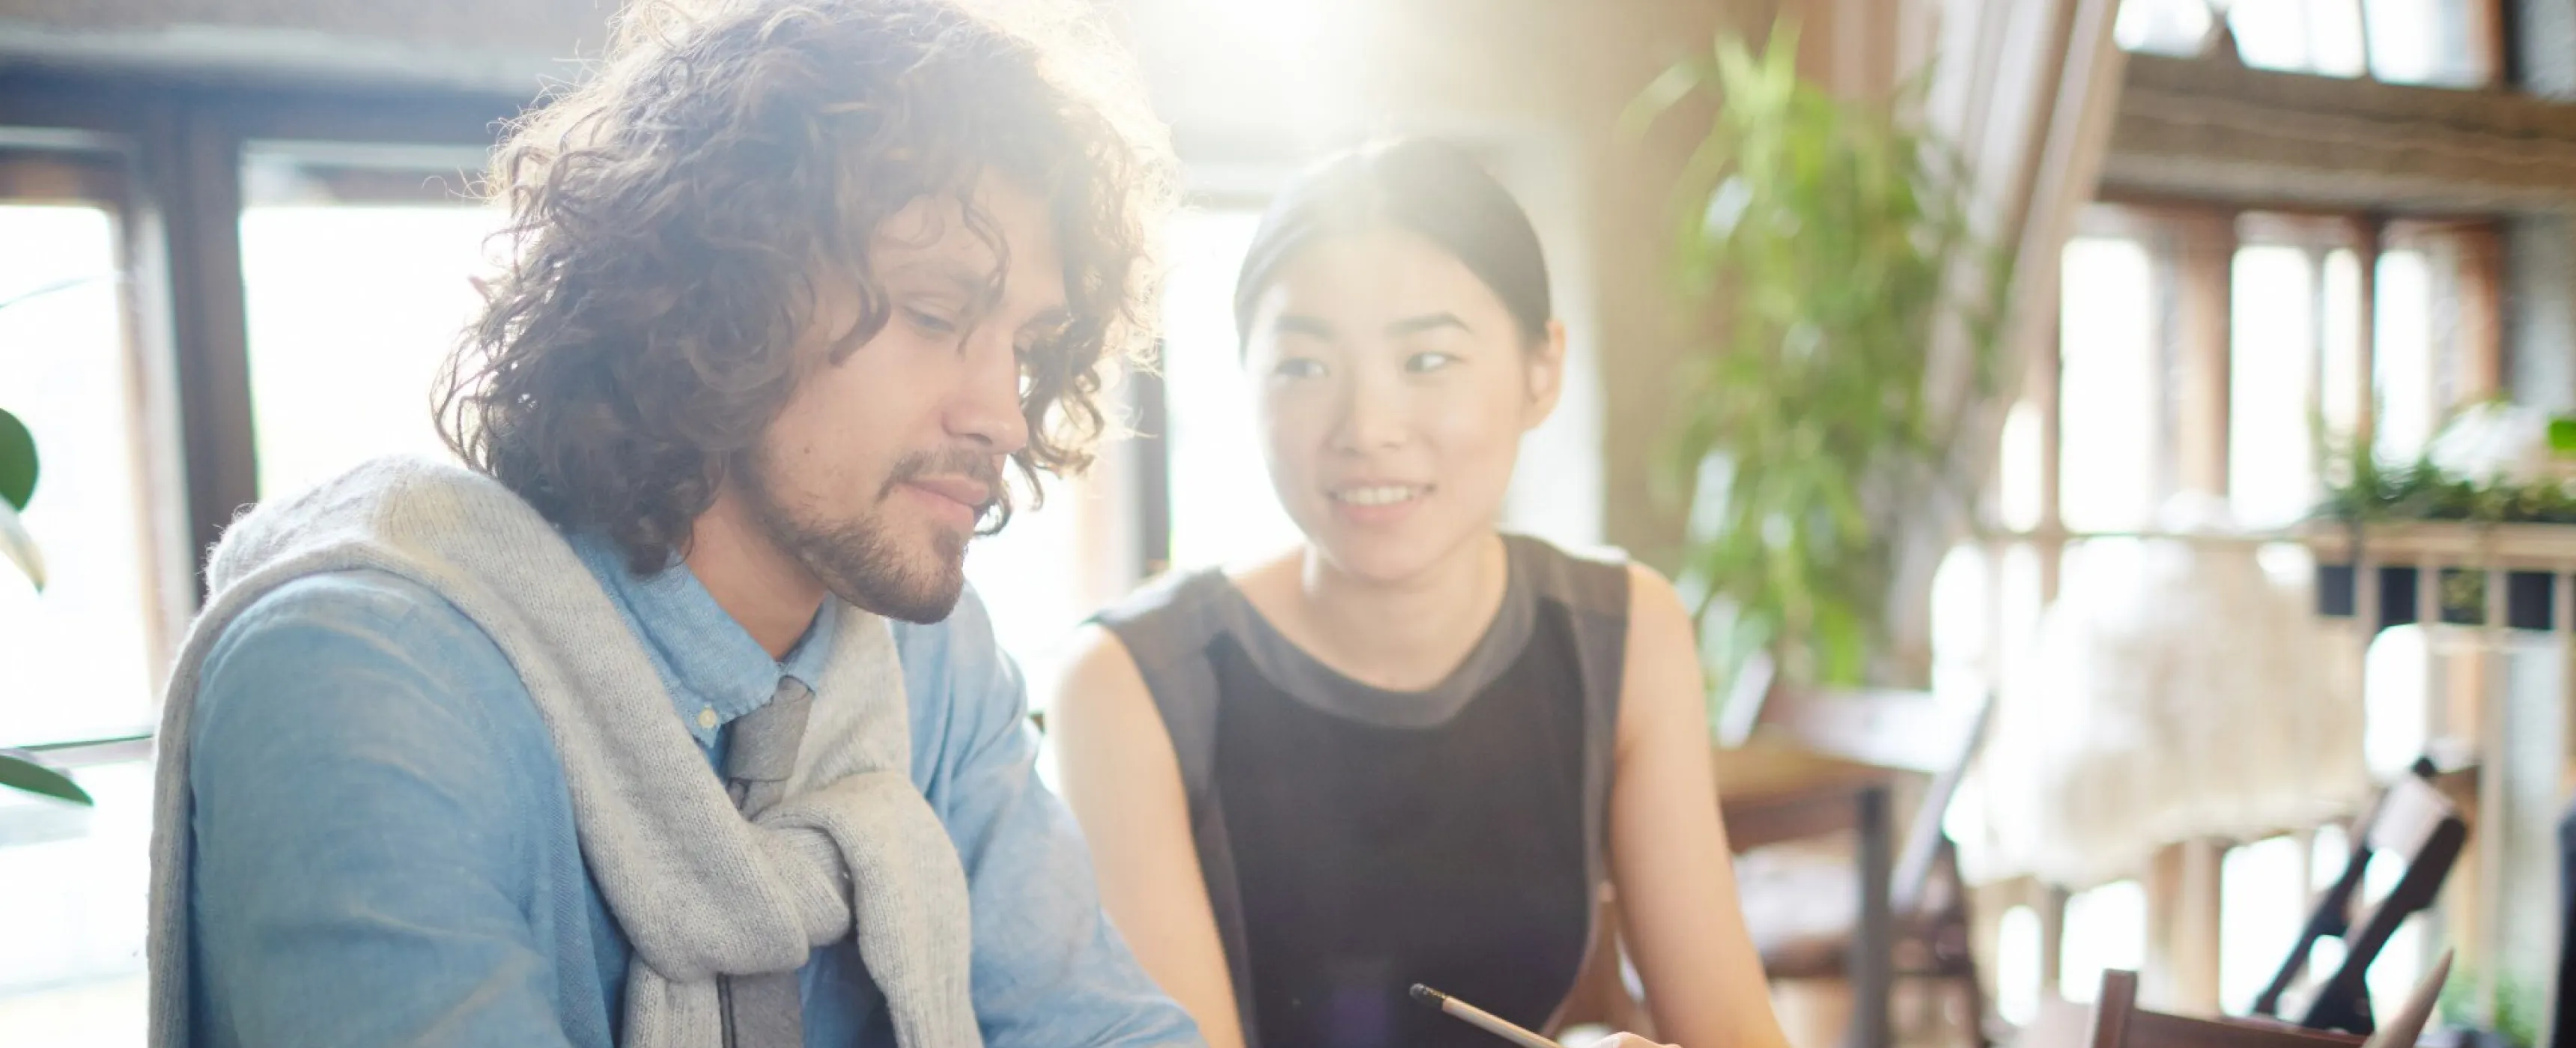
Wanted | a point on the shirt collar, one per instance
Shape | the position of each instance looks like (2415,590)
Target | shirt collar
(711,666)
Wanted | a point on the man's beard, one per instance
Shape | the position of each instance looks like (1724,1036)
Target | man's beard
(856,560)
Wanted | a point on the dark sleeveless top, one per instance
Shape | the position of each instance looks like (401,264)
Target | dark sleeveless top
(1356,841)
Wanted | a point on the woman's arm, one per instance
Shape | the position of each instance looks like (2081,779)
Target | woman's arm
(1668,852)
(1115,762)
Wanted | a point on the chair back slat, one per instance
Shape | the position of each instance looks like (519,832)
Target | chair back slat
(2408,817)
(2118,1022)
(2412,824)
(1918,731)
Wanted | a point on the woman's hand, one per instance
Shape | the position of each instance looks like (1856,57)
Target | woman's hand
(1626,1040)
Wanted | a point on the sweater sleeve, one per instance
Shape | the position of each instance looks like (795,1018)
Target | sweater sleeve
(362,872)
(1050,971)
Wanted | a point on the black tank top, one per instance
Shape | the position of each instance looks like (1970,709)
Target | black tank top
(1356,841)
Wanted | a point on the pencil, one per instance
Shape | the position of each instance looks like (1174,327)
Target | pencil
(1480,1018)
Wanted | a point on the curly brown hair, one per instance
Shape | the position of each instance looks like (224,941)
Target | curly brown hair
(669,218)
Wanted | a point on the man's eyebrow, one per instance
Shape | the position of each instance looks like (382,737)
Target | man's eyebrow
(1425,322)
(981,288)
(958,275)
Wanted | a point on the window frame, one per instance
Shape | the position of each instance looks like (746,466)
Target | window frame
(2492,29)
(2199,237)
(98,170)
(2193,242)
(179,144)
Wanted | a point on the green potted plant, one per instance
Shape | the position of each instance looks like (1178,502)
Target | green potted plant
(1827,241)
(2491,463)
(2475,1012)
(19,769)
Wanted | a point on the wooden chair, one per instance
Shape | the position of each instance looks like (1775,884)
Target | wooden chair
(2118,1022)
(1802,918)
(2412,823)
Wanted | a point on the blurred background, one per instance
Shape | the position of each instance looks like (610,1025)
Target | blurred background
(2212,363)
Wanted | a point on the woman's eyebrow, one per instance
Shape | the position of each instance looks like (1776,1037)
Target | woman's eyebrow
(1300,324)
(1425,322)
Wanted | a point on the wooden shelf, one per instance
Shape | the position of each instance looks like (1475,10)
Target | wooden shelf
(2449,543)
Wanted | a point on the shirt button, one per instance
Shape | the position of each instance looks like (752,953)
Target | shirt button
(707,718)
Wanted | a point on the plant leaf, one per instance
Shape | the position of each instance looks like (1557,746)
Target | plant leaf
(22,771)
(17,461)
(1830,239)
(19,548)
(1668,89)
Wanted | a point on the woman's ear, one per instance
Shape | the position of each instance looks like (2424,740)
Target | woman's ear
(1545,363)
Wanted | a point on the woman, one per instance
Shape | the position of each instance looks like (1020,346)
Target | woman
(1413,748)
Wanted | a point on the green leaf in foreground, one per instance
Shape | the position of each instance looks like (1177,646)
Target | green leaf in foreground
(17,461)
(2562,435)
(20,770)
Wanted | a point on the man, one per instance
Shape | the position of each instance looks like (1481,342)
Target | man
(610,740)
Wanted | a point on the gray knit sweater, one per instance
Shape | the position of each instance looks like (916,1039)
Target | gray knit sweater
(700,891)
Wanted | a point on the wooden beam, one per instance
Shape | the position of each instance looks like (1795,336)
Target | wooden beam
(48,98)
(202,188)
(2369,234)
(2204,273)
(2161,883)
(2045,386)
(2489,41)
(2481,305)
(2052,941)
(2213,130)
(2182,926)
(1152,466)
(2196,926)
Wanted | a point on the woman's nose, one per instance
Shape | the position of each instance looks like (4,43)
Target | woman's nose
(1372,416)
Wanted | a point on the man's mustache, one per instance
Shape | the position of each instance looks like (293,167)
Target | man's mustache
(982,467)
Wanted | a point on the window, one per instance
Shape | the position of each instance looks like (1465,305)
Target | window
(1223,509)
(169,263)
(2206,350)
(1051,568)
(2107,353)
(357,263)
(2106,928)
(80,654)
(2437,43)
(82,657)
(2264,892)
(2202,349)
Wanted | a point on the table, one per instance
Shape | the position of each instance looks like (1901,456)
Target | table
(1770,793)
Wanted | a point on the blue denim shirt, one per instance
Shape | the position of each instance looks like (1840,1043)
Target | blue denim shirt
(385,850)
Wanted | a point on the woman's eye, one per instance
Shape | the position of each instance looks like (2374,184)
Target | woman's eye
(1299,367)
(1423,363)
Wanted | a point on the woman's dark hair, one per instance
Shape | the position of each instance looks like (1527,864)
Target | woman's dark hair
(1424,187)
(671,217)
